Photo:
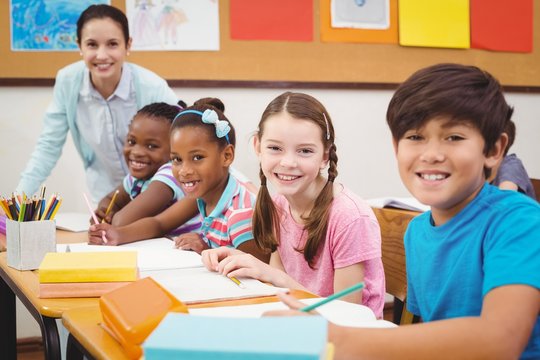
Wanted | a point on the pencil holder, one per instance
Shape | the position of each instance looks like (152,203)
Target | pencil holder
(28,242)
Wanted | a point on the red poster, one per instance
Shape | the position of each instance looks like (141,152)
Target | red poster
(284,20)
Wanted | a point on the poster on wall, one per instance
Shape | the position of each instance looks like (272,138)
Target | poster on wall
(46,25)
(361,14)
(168,25)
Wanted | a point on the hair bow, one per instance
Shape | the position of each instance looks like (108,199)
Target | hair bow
(222,126)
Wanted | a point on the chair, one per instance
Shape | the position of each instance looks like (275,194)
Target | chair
(536,186)
(393,223)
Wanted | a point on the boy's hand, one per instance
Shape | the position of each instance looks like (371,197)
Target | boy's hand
(293,303)
(190,241)
(95,235)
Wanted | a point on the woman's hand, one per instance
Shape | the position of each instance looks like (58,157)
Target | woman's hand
(190,241)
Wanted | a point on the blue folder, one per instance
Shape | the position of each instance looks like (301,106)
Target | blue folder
(191,337)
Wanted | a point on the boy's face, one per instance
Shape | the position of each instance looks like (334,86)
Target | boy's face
(442,165)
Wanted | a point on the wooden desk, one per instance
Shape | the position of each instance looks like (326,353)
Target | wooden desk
(25,285)
(88,338)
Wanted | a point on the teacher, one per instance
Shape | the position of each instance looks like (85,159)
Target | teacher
(95,99)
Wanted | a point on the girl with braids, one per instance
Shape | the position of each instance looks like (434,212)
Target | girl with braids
(150,186)
(321,236)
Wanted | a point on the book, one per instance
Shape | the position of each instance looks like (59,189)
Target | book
(132,312)
(78,289)
(153,254)
(88,267)
(72,221)
(339,312)
(405,203)
(191,337)
(199,285)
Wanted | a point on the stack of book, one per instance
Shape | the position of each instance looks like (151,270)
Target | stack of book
(88,274)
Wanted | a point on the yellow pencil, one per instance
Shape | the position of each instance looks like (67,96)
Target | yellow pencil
(111,203)
(55,210)
(237,282)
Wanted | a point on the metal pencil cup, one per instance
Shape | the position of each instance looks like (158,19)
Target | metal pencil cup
(28,242)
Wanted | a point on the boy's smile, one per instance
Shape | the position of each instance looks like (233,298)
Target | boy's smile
(442,165)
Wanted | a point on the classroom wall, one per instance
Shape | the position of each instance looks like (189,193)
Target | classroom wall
(366,161)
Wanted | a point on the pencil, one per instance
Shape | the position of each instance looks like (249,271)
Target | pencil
(111,203)
(237,282)
(335,296)
(94,217)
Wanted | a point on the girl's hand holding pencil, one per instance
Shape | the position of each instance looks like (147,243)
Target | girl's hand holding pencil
(97,231)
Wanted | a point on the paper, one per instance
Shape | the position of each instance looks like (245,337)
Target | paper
(383,36)
(338,312)
(361,14)
(405,203)
(271,20)
(502,25)
(441,23)
(72,221)
(200,285)
(153,254)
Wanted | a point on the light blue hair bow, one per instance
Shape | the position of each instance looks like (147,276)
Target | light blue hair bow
(211,117)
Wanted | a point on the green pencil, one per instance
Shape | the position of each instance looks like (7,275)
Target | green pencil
(335,296)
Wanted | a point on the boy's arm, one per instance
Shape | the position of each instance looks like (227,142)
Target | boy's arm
(508,185)
(150,202)
(501,332)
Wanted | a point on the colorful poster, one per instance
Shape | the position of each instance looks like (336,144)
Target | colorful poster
(502,25)
(285,20)
(361,14)
(46,25)
(383,36)
(441,23)
(182,25)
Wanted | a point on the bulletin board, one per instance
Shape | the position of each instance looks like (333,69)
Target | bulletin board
(282,64)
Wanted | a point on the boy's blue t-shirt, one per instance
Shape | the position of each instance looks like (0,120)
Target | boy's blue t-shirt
(494,241)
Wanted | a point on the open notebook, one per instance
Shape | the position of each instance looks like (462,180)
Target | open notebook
(72,221)
(405,203)
(198,285)
(153,254)
(339,312)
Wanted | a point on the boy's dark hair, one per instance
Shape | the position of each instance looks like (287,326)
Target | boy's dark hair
(510,130)
(102,11)
(194,120)
(460,92)
(161,110)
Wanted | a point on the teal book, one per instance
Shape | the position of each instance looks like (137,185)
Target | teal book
(192,337)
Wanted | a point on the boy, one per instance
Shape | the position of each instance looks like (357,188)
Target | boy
(473,261)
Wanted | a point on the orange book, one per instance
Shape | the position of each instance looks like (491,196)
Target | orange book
(132,312)
(78,290)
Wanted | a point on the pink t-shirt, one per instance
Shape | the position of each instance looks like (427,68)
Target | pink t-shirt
(353,236)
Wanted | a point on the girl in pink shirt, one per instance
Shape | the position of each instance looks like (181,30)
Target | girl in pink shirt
(322,237)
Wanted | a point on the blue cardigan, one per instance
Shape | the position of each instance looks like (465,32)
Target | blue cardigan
(60,118)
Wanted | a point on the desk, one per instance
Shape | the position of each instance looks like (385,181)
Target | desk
(25,285)
(88,338)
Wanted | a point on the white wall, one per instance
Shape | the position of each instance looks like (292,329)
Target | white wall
(366,162)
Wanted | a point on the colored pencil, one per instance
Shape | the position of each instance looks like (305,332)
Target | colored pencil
(335,296)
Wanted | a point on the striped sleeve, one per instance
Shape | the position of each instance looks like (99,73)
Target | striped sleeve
(164,175)
(239,225)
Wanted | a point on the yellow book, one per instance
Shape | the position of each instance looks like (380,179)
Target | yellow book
(88,267)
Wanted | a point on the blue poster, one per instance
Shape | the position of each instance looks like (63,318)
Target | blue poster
(46,25)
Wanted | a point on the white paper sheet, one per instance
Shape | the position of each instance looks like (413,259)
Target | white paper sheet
(339,312)
(72,221)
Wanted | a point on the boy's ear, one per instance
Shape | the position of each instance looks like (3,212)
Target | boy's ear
(497,153)
(395,145)
(228,155)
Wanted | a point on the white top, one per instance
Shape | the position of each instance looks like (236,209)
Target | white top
(103,124)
